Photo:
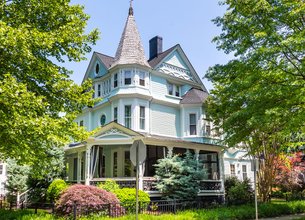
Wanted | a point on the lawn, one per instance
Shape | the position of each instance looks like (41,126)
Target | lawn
(223,213)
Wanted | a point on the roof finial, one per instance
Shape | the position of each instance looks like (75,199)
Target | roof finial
(130,8)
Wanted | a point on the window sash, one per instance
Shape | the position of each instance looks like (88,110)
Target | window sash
(177,92)
(142,117)
(115,114)
(127,77)
(193,124)
(98,90)
(115,80)
(128,116)
(142,78)
(170,87)
(115,164)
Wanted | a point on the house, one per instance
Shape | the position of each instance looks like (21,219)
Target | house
(3,178)
(237,163)
(160,101)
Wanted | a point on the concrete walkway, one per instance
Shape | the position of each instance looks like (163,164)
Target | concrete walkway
(287,217)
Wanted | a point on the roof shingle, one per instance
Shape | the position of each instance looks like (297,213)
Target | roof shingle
(194,96)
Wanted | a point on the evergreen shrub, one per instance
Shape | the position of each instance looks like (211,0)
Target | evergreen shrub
(238,192)
(88,200)
(55,189)
(127,197)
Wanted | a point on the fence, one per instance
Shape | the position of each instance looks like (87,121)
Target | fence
(115,209)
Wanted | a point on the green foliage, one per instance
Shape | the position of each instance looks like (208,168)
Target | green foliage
(179,178)
(109,185)
(127,197)
(55,189)
(238,192)
(38,100)
(17,176)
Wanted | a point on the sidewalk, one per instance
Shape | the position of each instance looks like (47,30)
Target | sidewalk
(286,217)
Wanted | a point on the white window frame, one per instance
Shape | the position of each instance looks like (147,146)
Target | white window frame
(142,75)
(129,117)
(115,80)
(125,72)
(115,119)
(192,113)
(142,120)
(99,90)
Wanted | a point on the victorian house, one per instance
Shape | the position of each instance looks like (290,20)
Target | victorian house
(160,101)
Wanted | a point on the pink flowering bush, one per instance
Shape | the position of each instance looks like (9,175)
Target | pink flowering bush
(88,199)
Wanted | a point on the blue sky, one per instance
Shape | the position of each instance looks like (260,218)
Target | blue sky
(185,22)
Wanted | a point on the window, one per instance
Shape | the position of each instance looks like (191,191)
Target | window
(193,128)
(170,88)
(115,80)
(127,77)
(154,153)
(98,90)
(177,91)
(208,130)
(142,78)
(115,114)
(97,68)
(142,117)
(81,123)
(128,167)
(1,169)
(115,164)
(128,116)
(232,169)
(93,94)
(244,169)
(209,161)
(103,120)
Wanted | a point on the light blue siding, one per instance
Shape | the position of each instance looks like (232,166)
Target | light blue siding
(158,86)
(176,60)
(96,115)
(102,70)
(165,120)
(184,89)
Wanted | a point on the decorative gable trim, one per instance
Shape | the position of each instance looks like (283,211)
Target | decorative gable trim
(189,74)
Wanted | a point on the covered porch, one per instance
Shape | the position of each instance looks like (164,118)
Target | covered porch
(107,155)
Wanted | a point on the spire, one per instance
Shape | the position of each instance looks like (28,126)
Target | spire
(130,49)
(130,8)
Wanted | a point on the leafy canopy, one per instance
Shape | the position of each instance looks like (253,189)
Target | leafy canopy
(38,100)
(262,90)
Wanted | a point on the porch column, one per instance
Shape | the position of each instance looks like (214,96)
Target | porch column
(87,166)
(221,169)
(141,174)
(197,154)
(79,164)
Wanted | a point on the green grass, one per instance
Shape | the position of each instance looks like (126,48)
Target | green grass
(223,213)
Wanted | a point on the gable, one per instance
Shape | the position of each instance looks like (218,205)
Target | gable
(91,70)
(176,63)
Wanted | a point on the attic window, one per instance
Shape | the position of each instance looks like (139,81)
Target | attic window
(97,68)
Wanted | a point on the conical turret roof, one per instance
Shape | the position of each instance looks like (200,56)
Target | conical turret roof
(130,49)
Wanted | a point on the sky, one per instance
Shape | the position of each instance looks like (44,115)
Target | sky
(185,22)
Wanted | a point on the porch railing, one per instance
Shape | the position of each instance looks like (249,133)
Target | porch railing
(149,183)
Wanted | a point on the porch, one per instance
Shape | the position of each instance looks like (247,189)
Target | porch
(107,155)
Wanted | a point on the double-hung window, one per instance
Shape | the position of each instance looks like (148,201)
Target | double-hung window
(177,91)
(142,117)
(170,88)
(193,127)
(128,116)
(115,80)
(115,114)
(232,169)
(244,169)
(127,77)
(142,78)
(98,90)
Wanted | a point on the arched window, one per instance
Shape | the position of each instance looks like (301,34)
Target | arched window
(97,68)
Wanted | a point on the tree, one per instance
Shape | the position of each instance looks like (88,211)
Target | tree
(258,97)
(17,177)
(38,100)
(179,178)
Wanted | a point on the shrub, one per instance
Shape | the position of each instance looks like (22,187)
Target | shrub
(55,189)
(179,178)
(127,197)
(88,199)
(109,185)
(238,192)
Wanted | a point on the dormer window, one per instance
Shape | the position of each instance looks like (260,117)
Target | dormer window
(97,68)
(173,89)
(127,77)
(115,80)
(142,79)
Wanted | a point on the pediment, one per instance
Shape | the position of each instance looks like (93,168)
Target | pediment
(115,131)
